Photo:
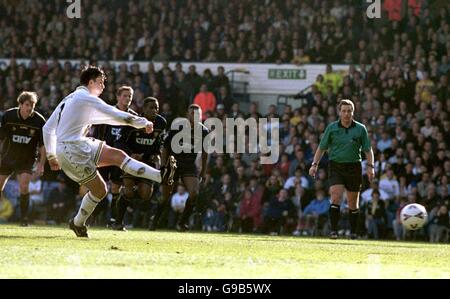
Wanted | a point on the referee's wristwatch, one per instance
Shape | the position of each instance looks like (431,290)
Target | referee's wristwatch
(371,166)
(315,164)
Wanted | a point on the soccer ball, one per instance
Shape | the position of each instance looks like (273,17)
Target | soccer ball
(413,216)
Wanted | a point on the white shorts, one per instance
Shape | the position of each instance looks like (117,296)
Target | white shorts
(79,159)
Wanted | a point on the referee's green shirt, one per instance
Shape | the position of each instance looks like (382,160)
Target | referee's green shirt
(344,145)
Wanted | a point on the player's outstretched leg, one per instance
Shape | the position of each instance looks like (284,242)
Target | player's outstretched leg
(139,169)
(114,157)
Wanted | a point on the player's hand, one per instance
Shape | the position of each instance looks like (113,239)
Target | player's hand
(40,169)
(149,127)
(157,161)
(202,176)
(313,171)
(370,174)
(54,165)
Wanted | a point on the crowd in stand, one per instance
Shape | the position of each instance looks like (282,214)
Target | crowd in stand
(290,31)
(397,78)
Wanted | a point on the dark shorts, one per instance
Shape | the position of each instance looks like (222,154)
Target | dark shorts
(8,167)
(111,173)
(185,170)
(347,174)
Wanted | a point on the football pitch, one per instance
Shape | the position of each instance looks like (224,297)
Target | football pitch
(55,252)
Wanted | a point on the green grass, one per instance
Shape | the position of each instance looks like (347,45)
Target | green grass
(55,252)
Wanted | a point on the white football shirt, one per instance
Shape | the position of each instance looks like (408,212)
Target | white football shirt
(75,114)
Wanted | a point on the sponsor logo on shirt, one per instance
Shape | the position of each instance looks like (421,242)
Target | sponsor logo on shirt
(21,139)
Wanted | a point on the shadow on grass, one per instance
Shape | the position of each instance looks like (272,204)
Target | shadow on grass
(33,237)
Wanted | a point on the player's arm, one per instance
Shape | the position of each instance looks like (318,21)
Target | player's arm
(164,155)
(318,156)
(370,159)
(49,136)
(367,148)
(161,139)
(321,149)
(42,154)
(161,124)
(42,158)
(204,164)
(204,157)
(166,145)
(315,163)
(106,114)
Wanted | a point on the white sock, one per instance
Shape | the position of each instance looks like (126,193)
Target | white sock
(139,169)
(88,205)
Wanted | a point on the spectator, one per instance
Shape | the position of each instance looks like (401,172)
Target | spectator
(36,197)
(223,98)
(439,224)
(297,179)
(385,142)
(376,217)
(206,100)
(315,214)
(278,211)
(401,90)
(59,203)
(366,196)
(249,211)
(177,203)
(390,185)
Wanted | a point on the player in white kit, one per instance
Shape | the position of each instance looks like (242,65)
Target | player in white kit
(68,147)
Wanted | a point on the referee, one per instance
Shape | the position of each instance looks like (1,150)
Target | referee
(343,140)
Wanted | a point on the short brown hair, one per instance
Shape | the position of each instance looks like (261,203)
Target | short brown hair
(346,102)
(91,73)
(194,107)
(123,88)
(27,96)
(148,100)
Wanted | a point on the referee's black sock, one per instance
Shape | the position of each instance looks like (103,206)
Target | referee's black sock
(24,204)
(354,214)
(122,205)
(335,211)
(115,197)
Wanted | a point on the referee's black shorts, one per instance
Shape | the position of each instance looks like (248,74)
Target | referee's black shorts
(347,174)
(185,170)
